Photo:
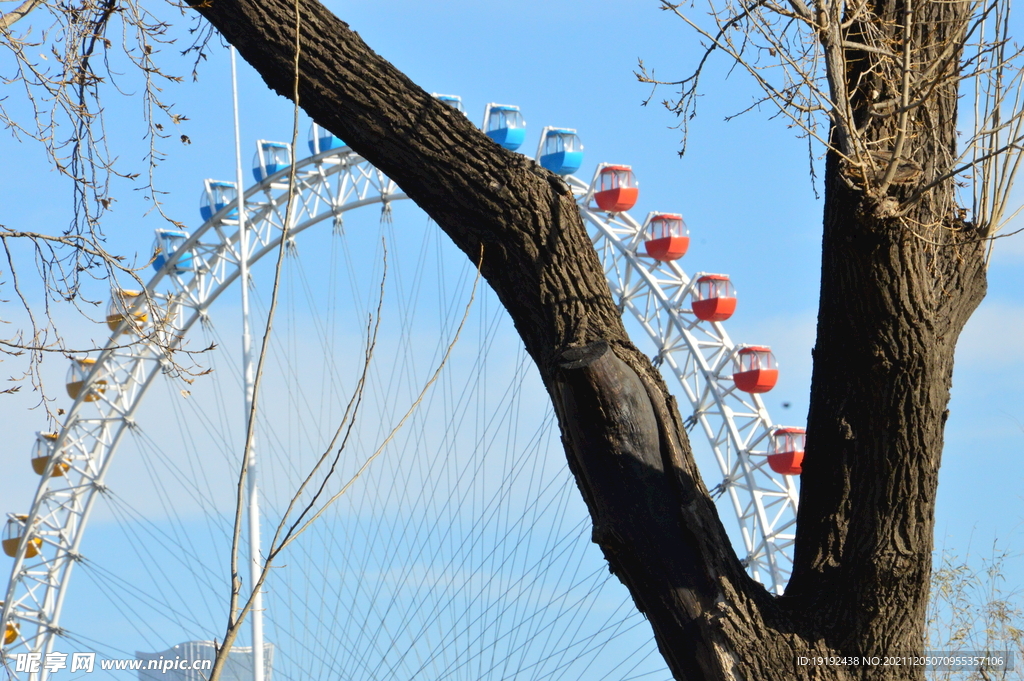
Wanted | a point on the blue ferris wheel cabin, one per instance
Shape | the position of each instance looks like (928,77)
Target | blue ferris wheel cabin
(216,197)
(562,151)
(454,101)
(168,242)
(321,139)
(271,157)
(504,124)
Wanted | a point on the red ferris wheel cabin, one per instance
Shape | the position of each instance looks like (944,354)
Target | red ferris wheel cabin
(756,371)
(714,299)
(786,451)
(667,236)
(617,188)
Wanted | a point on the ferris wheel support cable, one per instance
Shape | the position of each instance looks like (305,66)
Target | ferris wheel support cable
(394,554)
(94,440)
(124,513)
(480,518)
(104,586)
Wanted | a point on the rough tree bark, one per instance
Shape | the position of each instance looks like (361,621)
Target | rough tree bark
(900,278)
(892,305)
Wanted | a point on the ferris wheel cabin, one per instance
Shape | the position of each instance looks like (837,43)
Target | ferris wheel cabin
(454,101)
(13,532)
(616,188)
(321,139)
(757,371)
(42,452)
(124,305)
(504,124)
(667,238)
(786,451)
(560,150)
(168,242)
(271,157)
(714,299)
(216,197)
(10,631)
(78,375)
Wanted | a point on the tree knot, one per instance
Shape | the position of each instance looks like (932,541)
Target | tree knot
(579,357)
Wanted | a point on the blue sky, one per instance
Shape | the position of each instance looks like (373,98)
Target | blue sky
(743,188)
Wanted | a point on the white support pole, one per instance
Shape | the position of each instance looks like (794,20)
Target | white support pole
(255,565)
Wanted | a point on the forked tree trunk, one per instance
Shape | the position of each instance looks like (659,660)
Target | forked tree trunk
(892,305)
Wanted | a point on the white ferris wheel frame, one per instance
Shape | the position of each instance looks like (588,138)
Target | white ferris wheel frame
(330,183)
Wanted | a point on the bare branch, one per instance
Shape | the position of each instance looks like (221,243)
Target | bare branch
(22,11)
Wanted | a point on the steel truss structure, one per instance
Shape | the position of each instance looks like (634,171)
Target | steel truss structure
(700,354)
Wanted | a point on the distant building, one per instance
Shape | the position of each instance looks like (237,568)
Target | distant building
(193,660)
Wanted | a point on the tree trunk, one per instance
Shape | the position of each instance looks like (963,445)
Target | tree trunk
(900,278)
(891,308)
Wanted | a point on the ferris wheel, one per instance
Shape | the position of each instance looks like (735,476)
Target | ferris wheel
(681,314)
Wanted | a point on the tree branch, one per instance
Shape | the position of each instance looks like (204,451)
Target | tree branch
(545,272)
(19,13)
